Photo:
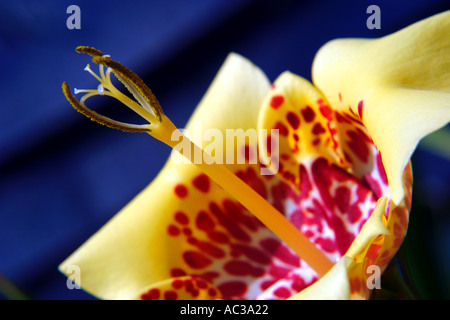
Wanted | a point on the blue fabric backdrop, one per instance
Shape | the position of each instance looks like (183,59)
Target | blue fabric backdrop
(62,177)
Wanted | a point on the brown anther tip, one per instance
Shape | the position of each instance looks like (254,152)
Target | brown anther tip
(67,93)
(89,50)
(118,67)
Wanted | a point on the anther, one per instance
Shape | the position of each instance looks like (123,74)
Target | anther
(133,83)
(89,50)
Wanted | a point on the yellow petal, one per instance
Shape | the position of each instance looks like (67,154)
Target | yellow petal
(399,85)
(374,226)
(306,124)
(148,241)
(333,286)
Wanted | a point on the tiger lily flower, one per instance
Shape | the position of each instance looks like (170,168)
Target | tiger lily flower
(337,201)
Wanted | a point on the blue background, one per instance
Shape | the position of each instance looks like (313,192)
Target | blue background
(62,177)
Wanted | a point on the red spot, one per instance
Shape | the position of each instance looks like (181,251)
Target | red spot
(228,224)
(340,97)
(247,152)
(341,118)
(305,183)
(308,233)
(293,120)
(152,294)
(360,109)
(342,198)
(326,244)
(212,292)
(187,231)
(347,157)
(232,288)
(358,146)
(374,186)
(373,253)
(318,129)
(321,171)
(267,284)
(282,293)
(177,284)
(326,112)
(357,285)
(298,284)
(297,218)
(276,101)
(219,237)
(364,135)
(255,182)
(201,284)
(282,253)
(181,217)
(381,170)
(235,253)
(282,130)
(242,268)
(173,230)
(398,230)
(195,293)
(208,248)
(316,141)
(196,260)
(361,193)
(279,195)
(204,221)
(270,144)
(181,191)
(354,213)
(177,272)
(209,275)
(308,113)
(318,212)
(343,237)
(341,175)
(170,295)
(235,212)
(192,240)
(252,253)
(189,285)
(201,182)
(278,272)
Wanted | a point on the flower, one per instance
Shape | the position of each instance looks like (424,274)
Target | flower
(344,177)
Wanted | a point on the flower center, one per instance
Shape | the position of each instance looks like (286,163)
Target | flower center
(160,127)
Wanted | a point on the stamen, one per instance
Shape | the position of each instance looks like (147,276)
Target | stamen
(94,116)
(88,69)
(162,128)
(131,80)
